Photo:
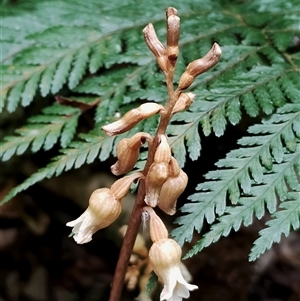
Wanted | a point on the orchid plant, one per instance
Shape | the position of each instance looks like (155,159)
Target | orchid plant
(162,180)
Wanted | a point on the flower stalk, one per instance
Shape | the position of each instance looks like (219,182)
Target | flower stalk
(161,181)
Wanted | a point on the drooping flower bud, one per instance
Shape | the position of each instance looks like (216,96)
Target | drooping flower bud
(131,118)
(158,172)
(184,101)
(128,150)
(165,259)
(156,177)
(155,46)
(158,229)
(102,211)
(121,187)
(199,66)
(104,208)
(163,150)
(173,26)
(172,188)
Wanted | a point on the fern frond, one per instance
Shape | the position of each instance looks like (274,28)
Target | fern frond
(79,152)
(100,52)
(42,131)
(282,222)
(244,173)
(224,106)
(261,195)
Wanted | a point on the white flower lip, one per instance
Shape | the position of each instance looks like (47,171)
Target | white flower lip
(84,227)
(165,258)
(102,211)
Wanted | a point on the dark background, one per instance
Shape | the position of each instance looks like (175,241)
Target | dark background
(39,262)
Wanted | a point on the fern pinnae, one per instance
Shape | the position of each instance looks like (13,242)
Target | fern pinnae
(41,130)
(61,73)
(75,155)
(97,58)
(287,218)
(30,89)
(79,66)
(241,162)
(68,131)
(275,93)
(289,88)
(46,79)
(14,96)
(262,195)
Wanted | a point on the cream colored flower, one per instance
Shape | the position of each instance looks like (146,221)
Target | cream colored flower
(165,259)
(103,210)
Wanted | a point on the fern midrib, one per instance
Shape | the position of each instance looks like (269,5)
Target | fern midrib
(287,57)
(223,103)
(238,171)
(227,222)
(253,200)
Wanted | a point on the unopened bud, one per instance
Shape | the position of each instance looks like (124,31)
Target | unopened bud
(200,66)
(184,102)
(155,46)
(185,81)
(163,151)
(173,26)
(156,177)
(120,188)
(158,229)
(131,118)
(172,189)
(128,150)
(171,11)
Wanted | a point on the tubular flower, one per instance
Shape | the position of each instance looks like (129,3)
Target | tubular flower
(104,208)
(172,188)
(128,150)
(173,26)
(165,259)
(158,172)
(131,118)
(155,46)
(199,66)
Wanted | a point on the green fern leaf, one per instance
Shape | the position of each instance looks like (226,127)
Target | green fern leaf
(61,73)
(46,79)
(79,66)
(283,221)
(237,169)
(30,89)
(72,157)
(243,213)
(42,130)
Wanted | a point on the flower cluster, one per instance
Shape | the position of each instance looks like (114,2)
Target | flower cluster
(164,180)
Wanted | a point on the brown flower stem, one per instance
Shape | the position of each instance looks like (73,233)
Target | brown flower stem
(132,230)
(127,246)
(135,218)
